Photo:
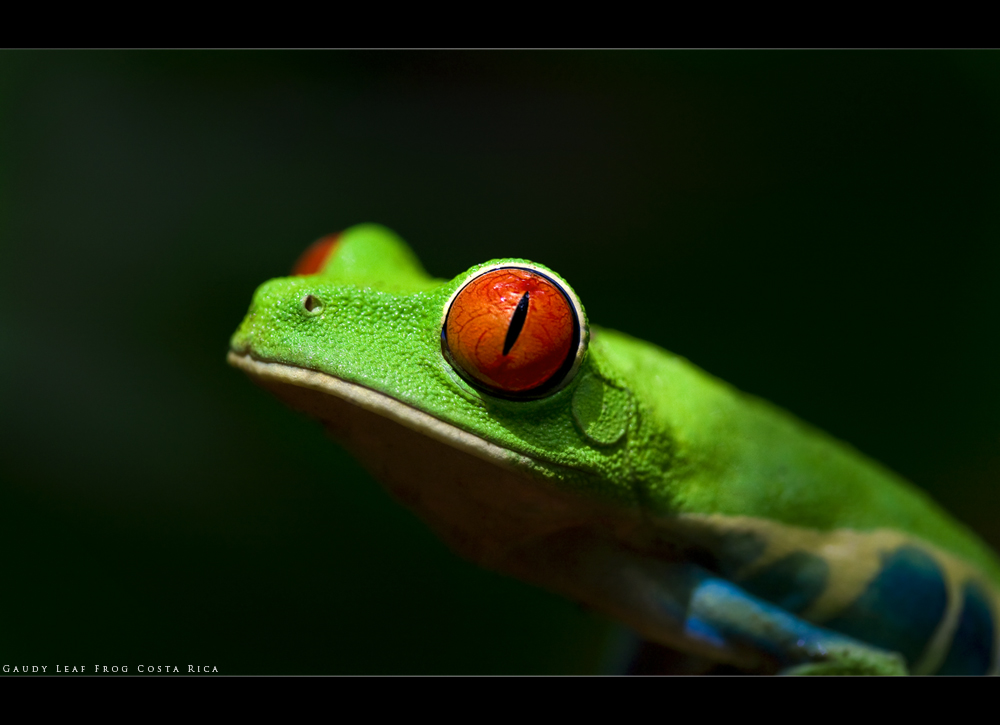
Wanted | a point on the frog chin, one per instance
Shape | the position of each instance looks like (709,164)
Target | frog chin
(484,500)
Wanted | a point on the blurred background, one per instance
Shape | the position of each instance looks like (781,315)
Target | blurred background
(817,228)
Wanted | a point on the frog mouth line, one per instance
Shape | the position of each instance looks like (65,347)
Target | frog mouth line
(383,405)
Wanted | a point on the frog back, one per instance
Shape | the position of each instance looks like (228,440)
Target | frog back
(805,521)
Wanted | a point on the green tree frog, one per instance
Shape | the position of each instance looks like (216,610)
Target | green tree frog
(615,473)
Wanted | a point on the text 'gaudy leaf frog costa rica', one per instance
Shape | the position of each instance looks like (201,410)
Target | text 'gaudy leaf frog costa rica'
(615,473)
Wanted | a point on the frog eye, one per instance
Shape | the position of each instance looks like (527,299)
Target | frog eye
(315,257)
(514,331)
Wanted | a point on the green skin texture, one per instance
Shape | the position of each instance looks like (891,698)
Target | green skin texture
(637,426)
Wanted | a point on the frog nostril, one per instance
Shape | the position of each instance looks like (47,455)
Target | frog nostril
(312,304)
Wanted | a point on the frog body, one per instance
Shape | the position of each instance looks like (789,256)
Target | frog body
(615,473)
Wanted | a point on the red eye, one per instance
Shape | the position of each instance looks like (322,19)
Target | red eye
(314,258)
(513,330)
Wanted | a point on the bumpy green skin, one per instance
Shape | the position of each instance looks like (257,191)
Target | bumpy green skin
(737,455)
(694,443)
(637,426)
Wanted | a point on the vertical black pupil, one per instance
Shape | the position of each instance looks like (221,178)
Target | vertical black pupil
(516,323)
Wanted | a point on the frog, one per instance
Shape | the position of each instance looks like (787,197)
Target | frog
(607,470)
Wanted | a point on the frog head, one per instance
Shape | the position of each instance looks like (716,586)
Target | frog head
(497,362)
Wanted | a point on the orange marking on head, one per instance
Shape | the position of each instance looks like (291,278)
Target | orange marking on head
(314,258)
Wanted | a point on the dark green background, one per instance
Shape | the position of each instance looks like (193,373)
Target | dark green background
(819,228)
